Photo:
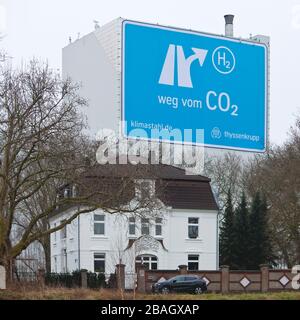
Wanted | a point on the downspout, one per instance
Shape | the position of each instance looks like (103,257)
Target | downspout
(217,229)
(217,242)
(78,232)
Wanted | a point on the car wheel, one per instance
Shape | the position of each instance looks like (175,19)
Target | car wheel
(198,290)
(165,290)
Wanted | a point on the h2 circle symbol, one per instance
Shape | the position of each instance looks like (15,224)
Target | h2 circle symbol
(223,60)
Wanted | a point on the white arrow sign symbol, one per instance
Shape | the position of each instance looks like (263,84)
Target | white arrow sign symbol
(183,66)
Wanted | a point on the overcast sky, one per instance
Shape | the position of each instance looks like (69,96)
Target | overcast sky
(40,28)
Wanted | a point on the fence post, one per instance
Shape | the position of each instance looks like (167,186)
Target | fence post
(141,278)
(120,271)
(41,277)
(2,278)
(183,269)
(224,279)
(264,269)
(112,281)
(83,278)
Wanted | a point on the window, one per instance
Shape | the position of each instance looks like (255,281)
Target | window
(145,229)
(68,192)
(158,226)
(55,264)
(74,191)
(54,236)
(193,228)
(177,279)
(63,232)
(64,261)
(193,262)
(191,278)
(99,262)
(150,262)
(99,224)
(145,189)
(131,226)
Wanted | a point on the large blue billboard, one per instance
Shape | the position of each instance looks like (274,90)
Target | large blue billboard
(179,79)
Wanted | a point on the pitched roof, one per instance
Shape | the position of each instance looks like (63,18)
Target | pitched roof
(188,195)
(177,189)
(143,171)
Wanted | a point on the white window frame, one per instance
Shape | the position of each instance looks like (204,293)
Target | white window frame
(139,182)
(99,259)
(147,259)
(193,261)
(55,264)
(63,231)
(159,224)
(64,261)
(68,192)
(193,225)
(130,224)
(55,234)
(147,225)
(99,222)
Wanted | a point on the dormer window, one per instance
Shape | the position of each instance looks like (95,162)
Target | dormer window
(68,192)
(145,227)
(74,191)
(145,189)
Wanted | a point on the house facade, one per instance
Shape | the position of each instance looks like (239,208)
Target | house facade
(183,231)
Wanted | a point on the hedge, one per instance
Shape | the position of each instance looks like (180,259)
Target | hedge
(71,280)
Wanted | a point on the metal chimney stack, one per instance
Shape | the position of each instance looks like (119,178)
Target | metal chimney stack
(229,25)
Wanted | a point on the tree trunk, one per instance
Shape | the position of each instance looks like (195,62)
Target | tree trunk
(6,260)
(286,257)
(298,250)
(9,265)
(45,242)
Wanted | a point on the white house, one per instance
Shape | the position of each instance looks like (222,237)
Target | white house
(184,232)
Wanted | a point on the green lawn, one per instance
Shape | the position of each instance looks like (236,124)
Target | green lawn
(291,295)
(86,294)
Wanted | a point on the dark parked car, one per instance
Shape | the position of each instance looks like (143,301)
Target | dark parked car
(186,283)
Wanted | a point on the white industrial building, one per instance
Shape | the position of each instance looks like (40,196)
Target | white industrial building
(94,61)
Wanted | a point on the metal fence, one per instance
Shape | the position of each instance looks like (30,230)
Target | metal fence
(25,276)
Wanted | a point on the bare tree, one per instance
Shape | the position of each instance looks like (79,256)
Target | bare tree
(277,176)
(39,115)
(46,196)
(42,147)
(226,173)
